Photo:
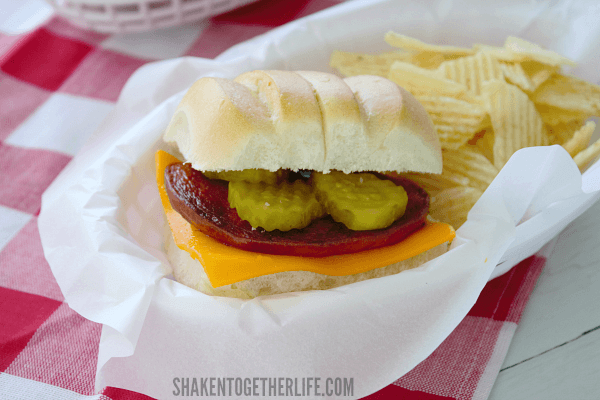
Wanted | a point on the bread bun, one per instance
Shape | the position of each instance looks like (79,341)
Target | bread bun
(294,113)
(189,272)
(304,120)
(397,126)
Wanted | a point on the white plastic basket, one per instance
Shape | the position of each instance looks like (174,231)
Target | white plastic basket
(122,16)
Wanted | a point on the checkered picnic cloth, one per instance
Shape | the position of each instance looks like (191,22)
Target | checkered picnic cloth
(57,83)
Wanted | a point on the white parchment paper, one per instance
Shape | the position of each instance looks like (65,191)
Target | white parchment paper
(102,225)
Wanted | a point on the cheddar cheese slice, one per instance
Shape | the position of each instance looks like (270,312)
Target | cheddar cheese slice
(225,265)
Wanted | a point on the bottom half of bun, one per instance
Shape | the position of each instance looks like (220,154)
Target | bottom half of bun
(190,272)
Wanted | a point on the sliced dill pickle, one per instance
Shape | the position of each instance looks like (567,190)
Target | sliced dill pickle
(360,201)
(285,206)
(248,175)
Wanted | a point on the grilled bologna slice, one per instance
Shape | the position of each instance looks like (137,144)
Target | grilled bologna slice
(203,202)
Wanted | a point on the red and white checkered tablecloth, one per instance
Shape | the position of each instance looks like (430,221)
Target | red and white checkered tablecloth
(57,83)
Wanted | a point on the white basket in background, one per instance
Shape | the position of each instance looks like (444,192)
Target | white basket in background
(122,16)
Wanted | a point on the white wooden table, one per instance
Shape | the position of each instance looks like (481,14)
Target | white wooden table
(555,353)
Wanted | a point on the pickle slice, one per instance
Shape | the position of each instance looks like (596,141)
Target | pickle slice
(285,206)
(248,175)
(360,201)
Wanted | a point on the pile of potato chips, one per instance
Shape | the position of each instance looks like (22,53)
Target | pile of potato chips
(486,103)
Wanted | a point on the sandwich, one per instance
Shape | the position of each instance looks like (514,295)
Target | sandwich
(281,181)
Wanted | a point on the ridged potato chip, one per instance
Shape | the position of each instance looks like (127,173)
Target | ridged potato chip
(538,73)
(483,142)
(515,74)
(456,121)
(555,116)
(568,93)
(581,139)
(534,52)
(426,59)
(421,81)
(408,43)
(464,167)
(519,50)
(472,71)
(453,205)
(584,158)
(470,164)
(499,53)
(563,132)
(434,183)
(515,120)
(351,64)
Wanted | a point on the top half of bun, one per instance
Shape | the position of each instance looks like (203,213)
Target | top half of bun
(304,120)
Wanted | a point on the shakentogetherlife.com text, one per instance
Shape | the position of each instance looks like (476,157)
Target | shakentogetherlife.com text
(262,387)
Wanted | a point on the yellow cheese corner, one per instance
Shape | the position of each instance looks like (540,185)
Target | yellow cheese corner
(225,265)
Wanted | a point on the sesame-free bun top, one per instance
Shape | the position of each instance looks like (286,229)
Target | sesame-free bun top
(304,120)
